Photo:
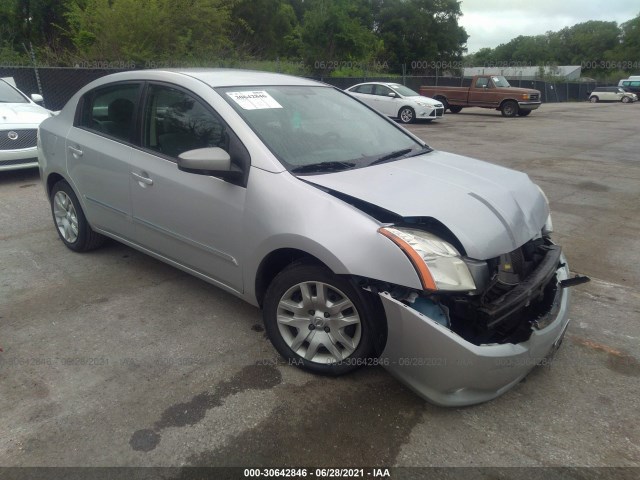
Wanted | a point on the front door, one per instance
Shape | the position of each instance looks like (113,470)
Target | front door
(194,220)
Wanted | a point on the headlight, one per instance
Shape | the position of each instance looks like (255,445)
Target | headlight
(525,96)
(438,264)
(422,104)
(548,225)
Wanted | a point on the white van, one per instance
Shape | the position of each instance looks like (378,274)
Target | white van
(630,79)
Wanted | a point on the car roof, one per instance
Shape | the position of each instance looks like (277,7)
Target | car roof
(219,77)
(386,84)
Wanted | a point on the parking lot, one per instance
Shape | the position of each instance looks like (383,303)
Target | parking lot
(112,358)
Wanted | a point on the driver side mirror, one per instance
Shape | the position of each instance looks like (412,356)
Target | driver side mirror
(393,95)
(37,98)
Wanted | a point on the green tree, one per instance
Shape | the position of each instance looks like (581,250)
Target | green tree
(149,30)
(333,32)
(421,30)
(264,28)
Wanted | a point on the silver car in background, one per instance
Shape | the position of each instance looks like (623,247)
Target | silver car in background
(19,120)
(361,244)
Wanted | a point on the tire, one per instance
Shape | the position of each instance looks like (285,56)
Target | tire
(406,115)
(455,108)
(625,99)
(443,101)
(509,108)
(523,113)
(332,332)
(594,99)
(71,224)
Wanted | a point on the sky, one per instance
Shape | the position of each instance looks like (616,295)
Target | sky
(492,22)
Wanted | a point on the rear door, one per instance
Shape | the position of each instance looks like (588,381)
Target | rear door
(194,220)
(365,94)
(98,152)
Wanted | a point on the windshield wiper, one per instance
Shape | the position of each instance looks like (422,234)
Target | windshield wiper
(323,167)
(401,153)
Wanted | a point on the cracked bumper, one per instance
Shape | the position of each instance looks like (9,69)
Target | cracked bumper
(446,370)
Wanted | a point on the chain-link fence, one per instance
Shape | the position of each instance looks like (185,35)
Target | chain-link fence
(57,85)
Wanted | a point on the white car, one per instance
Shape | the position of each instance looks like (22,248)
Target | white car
(612,94)
(397,101)
(20,117)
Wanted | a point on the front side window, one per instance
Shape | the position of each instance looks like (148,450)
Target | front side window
(308,125)
(482,82)
(383,91)
(176,122)
(110,110)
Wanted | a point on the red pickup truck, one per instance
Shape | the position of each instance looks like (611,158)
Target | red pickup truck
(487,91)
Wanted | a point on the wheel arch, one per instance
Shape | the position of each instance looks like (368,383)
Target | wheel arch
(442,99)
(505,100)
(52,179)
(276,261)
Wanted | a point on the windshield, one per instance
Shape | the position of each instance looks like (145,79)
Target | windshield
(500,82)
(307,126)
(404,91)
(8,94)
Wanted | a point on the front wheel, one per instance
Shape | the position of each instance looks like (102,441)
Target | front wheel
(73,228)
(319,321)
(509,108)
(524,113)
(625,100)
(594,99)
(406,115)
(455,108)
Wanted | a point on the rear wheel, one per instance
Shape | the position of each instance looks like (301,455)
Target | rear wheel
(509,108)
(455,108)
(73,228)
(444,102)
(406,115)
(594,99)
(319,321)
(524,113)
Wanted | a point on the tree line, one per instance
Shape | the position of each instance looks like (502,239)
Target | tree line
(604,50)
(335,36)
(329,37)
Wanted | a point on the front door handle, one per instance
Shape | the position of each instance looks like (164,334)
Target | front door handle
(76,151)
(142,179)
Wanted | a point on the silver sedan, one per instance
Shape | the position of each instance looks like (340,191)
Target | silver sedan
(361,244)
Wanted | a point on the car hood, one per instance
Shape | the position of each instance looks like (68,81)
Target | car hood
(491,209)
(18,113)
(423,99)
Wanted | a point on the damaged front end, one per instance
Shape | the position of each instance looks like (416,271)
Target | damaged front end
(460,347)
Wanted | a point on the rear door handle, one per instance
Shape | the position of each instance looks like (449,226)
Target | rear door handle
(142,179)
(76,151)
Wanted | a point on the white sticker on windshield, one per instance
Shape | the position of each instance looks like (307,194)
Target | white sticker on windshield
(255,100)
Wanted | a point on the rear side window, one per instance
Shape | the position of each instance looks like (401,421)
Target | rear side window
(368,89)
(110,110)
